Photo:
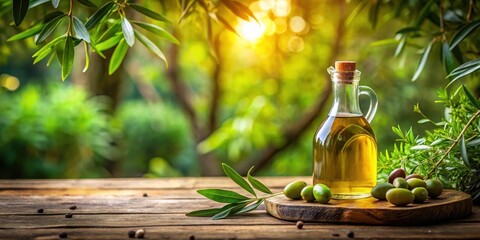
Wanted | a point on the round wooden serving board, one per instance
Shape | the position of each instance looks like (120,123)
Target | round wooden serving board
(450,205)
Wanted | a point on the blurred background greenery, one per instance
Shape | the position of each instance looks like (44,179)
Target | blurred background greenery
(254,97)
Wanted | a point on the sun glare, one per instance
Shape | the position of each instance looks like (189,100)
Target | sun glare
(250,31)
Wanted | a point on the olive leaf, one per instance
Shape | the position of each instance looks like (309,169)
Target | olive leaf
(87,3)
(230,211)
(463,70)
(68,57)
(423,61)
(257,184)
(238,179)
(49,28)
(19,9)
(80,29)
(27,33)
(157,30)
(117,56)
(149,13)
(463,33)
(109,43)
(471,97)
(128,33)
(87,57)
(223,196)
(55,3)
(99,15)
(151,46)
(447,57)
(252,206)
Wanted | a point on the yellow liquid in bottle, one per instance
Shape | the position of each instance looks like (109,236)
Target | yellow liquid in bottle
(345,156)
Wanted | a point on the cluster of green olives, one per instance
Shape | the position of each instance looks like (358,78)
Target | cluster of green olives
(299,190)
(401,190)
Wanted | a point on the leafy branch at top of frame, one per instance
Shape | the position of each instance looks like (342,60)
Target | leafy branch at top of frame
(456,25)
(108,27)
(236,203)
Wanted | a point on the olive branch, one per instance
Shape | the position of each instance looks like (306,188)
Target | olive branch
(237,203)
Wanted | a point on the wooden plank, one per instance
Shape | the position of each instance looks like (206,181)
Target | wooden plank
(140,183)
(450,205)
(309,231)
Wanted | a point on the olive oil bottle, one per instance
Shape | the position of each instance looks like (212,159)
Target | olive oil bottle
(344,146)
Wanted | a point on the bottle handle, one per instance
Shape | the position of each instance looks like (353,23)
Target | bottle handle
(372,109)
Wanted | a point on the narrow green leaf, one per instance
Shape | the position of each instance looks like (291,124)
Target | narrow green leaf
(55,3)
(51,44)
(50,59)
(251,207)
(87,57)
(223,196)
(388,41)
(99,15)
(49,28)
(238,12)
(423,61)
(447,58)
(117,56)
(464,73)
(464,67)
(80,29)
(229,212)
(423,13)
(238,179)
(244,9)
(186,11)
(19,10)
(43,54)
(401,46)
(205,212)
(458,54)
(463,33)
(109,43)
(157,30)
(112,30)
(472,99)
(37,3)
(474,142)
(226,24)
(97,51)
(463,152)
(27,33)
(151,46)
(49,17)
(68,57)
(127,30)
(147,12)
(87,3)
(257,184)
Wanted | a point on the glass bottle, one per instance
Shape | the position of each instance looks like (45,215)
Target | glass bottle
(344,146)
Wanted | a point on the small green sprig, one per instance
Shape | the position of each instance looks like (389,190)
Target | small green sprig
(237,203)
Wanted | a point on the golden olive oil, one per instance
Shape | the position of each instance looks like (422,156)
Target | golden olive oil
(345,156)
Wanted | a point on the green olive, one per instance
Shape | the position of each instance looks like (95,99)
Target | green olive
(399,196)
(434,187)
(293,189)
(400,183)
(380,190)
(420,194)
(322,193)
(415,182)
(307,194)
(414,176)
(395,174)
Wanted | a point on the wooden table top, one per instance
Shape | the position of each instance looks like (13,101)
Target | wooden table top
(109,208)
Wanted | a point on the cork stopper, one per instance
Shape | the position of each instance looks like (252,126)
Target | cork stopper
(345,66)
(345,70)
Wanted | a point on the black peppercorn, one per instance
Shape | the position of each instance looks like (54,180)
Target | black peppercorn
(40,210)
(131,234)
(336,235)
(73,207)
(145,195)
(63,235)
(140,233)
(350,234)
(299,224)
(69,215)
(191,237)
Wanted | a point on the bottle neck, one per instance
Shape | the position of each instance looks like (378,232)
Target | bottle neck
(345,101)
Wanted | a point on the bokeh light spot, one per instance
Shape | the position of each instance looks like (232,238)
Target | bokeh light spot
(297,24)
(250,31)
(9,82)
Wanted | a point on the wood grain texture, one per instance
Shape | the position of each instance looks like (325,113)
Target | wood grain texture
(450,205)
(109,208)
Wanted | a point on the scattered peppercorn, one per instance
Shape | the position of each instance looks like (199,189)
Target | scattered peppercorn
(140,233)
(191,237)
(145,195)
(73,207)
(63,235)
(131,233)
(336,235)
(350,234)
(40,210)
(69,215)
(299,224)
